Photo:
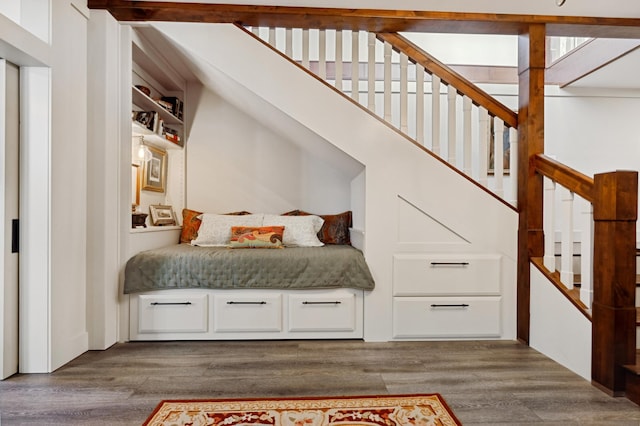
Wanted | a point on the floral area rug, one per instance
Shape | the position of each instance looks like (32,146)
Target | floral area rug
(389,410)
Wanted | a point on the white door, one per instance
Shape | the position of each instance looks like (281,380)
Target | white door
(9,202)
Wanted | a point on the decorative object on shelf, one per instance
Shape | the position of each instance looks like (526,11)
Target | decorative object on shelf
(144,89)
(154,171)
(560,2)
(161,215)
(138,220)
(148,119)
(135,186)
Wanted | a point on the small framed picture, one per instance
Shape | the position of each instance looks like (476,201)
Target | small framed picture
(154,171)
(135,186)
(161,215)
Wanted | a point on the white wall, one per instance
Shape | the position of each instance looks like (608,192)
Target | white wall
(237,163)
(558,329)
(69,337)
(103,155)
(593,131)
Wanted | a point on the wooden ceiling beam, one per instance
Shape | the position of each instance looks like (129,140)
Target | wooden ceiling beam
(367,19)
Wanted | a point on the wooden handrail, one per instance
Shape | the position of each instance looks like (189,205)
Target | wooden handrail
(571,179)
(450,77)
(374,20)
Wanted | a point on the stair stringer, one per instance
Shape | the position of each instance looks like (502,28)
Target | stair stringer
(395,168)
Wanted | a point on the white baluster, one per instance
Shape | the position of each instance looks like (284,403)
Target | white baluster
(566,242)
(371,72)
(435,114)
(272,37)
(339,36)
(355,65)
(387,82)
(483,148)
(466,134)
(322,54)
(404,102)
(305,48)
(498,156)
(256,31)
(288,42)
(513,165)
(586,255)
(420,103)
(549,224)
(451,120)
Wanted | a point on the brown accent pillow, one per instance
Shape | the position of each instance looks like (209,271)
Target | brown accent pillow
(335,229)
(190,225)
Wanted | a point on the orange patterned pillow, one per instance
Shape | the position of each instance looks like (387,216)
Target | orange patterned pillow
(256,237)
(190,225)
(335,229)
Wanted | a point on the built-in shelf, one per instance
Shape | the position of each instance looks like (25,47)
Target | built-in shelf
(148,104)
(154,138)
(154,229)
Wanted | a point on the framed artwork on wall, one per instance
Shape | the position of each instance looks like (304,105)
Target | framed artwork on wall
(161,215)
(154,171)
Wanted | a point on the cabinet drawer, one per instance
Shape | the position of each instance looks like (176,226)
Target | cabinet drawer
(172,314)
(322,312)
(243,313)
(415,317)
(446,275)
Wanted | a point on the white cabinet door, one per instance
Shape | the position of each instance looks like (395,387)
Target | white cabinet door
(446,274)
(248,312)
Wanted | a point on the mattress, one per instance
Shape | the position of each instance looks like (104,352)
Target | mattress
(185,266)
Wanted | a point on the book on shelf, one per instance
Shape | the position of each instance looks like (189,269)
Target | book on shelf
(174,103)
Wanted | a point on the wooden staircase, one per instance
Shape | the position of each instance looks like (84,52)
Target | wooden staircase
(613,335)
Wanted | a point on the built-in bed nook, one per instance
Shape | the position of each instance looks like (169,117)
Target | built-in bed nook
(250,276)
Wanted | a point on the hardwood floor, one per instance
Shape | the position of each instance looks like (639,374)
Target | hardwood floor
(485,383)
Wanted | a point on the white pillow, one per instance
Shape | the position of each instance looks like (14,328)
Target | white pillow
(215,230)
(301,231)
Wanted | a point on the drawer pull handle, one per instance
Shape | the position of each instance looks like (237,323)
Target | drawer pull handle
(460,305)
(170,303)
(321,303)
(449,263)
(247,303)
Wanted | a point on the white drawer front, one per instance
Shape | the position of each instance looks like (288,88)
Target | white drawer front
(445,275)
(243,313)
(416,317)
(173,314)
(322,313)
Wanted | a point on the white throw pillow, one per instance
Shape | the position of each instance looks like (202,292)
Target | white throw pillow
(301,231)
(215,230)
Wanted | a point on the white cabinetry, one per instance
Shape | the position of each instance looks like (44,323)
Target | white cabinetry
(246,314)
(447,296)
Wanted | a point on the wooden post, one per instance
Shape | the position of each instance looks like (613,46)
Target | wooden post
(531,67)
(615,211)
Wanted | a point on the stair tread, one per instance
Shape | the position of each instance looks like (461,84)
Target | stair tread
(637,315)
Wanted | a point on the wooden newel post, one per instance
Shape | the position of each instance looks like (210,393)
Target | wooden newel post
(615,211)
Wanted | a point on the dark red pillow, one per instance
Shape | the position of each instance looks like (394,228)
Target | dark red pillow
(335,229)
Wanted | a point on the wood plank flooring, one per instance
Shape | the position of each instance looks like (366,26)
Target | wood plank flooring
(485,383)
